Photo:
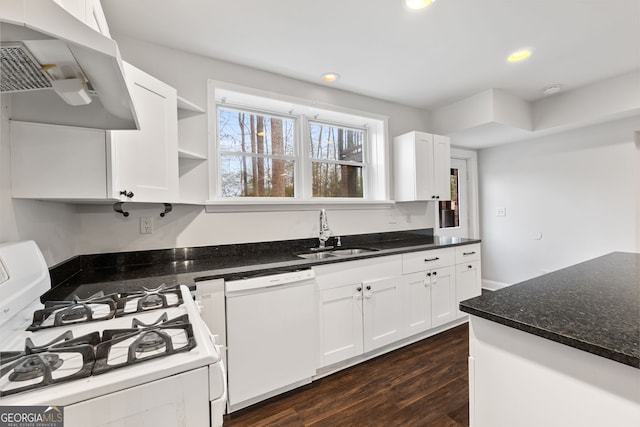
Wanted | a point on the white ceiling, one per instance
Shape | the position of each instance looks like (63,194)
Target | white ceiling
(425,59)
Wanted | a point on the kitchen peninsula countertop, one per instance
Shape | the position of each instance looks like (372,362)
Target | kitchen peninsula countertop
(593,306)
(86,275)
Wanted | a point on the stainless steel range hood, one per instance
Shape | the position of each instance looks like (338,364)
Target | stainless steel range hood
(76,77)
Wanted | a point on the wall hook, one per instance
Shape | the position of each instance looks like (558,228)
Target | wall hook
(118,208)
(168,207)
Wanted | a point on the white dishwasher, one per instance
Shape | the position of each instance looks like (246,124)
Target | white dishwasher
(271,335)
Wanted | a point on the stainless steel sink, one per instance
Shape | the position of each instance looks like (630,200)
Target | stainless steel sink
(317,256)
(353,251)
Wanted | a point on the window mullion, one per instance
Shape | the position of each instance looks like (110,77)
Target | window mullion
(304,162)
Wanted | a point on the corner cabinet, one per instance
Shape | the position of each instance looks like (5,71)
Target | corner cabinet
(52,162)
(422,164)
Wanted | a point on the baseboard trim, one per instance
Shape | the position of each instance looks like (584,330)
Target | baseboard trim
(492,285)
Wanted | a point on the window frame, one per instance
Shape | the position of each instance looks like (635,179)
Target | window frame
(304,112)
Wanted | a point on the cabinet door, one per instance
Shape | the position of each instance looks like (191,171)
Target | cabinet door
(443,296)
(340,324)
(145,161)
(381,306)
(416,309)
(441,166)
(468,283)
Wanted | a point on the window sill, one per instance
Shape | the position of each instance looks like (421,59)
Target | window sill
(213,206)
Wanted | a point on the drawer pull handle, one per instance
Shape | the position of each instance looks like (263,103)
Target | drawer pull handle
(431,259)
(468,253)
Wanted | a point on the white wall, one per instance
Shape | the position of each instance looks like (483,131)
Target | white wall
(51,225)
(577,189)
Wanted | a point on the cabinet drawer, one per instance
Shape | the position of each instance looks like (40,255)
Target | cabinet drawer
(427,260)
(467,253)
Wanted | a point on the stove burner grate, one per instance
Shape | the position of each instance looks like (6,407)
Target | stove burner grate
(149,299)
(63,313)
(144,339)
(40,362)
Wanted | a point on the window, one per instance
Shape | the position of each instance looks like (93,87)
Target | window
(337,160)
(257,154)
(274,149)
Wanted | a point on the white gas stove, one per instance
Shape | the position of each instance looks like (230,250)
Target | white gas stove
(139,358)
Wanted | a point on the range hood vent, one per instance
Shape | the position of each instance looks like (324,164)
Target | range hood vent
(56,69)
(20,71)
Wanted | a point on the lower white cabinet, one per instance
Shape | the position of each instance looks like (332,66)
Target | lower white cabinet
(368,304)
(429,299)
(359,307)
(341,332)
(382,305)
(443,295)
(468,282)
(358,318)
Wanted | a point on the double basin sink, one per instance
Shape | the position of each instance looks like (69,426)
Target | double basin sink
(332,253)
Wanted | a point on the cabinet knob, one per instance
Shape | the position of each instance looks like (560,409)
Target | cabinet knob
(433,197)
(429,274)
(127,194)
(437,197)
(435,273)
(368,287)
(359,289)
(469,266)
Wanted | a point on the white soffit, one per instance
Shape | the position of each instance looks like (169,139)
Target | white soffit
(495,117)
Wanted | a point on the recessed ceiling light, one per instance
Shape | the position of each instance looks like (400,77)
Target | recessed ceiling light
(519,55)
(550,90)
(418,4)
(330,77)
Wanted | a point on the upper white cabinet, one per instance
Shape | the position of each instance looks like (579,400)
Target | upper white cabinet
(79,164)
(146,161)
(88,11)
(422,164)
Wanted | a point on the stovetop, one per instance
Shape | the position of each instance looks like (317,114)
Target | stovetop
(95,338)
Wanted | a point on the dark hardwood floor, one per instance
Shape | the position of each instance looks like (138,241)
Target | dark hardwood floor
(423,384)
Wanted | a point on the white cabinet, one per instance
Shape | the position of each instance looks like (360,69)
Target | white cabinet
(382,304)
(468,274)
(416,303)
(443,295)
(89,12)
(429,299)
(422,164)
(341,331)
(359,307)
(69,163)
(146,161)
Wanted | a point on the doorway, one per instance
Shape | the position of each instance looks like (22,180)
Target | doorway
(459,217)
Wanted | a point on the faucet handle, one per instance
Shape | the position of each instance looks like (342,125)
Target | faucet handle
(338,241)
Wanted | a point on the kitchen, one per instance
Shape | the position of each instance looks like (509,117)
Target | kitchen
(549,173)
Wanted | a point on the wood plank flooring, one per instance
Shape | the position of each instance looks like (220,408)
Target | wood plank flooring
(423,384)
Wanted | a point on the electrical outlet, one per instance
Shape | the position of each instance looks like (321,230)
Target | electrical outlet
(146,225)
(501,211)
(391,217)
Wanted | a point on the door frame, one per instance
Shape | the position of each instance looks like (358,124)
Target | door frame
(471,158)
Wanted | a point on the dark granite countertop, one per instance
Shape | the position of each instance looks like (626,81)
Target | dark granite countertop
(592,306)
(87,274)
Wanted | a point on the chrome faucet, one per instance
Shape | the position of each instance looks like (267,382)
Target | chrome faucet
(325,231)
